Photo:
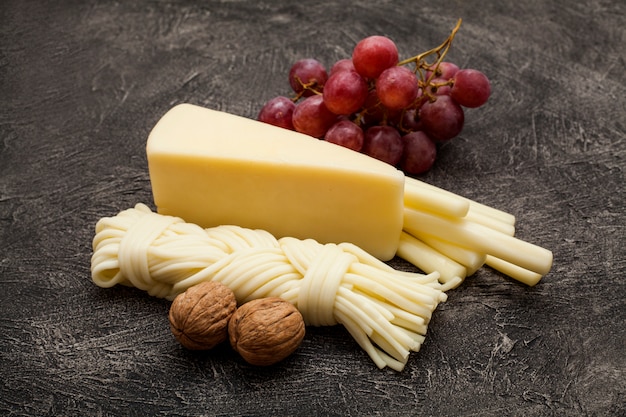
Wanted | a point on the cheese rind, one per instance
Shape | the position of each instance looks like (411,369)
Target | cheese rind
(213,168)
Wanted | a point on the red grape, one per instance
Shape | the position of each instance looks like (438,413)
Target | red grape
(312,118)
(445,71)
(307,71)
(397,87)
(419,154)
(410,120)
(383,143)
(278,112)
(372,102)
(440,89)
(345,92)
(471,88)
(341,65)
(373,111)
(347,134)
(377,113)
(373,55)
(443,118)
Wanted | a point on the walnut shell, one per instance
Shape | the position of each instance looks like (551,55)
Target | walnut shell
(265,331)
(199,316)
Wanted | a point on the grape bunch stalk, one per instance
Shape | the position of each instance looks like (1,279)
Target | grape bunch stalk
(392,110)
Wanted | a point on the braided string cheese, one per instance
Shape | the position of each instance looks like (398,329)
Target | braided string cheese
(386,311)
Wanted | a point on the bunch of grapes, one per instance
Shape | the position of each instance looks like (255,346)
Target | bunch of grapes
(395,111)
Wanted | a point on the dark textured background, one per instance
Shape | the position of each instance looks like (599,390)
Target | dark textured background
(82,84)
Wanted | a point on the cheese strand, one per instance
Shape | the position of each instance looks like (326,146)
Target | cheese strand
(386,311)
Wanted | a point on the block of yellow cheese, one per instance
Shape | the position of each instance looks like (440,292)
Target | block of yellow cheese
(213,168)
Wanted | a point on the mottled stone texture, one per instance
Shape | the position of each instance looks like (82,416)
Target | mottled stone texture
(83,82)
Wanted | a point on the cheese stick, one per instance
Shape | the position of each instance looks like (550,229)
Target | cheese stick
(429,260)
(474,205)
(484,239)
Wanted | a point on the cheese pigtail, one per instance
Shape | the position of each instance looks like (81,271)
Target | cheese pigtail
(386,311)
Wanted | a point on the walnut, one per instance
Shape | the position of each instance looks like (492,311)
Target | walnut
(266,331)
(199,316)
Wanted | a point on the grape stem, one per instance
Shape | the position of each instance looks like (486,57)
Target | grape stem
(440,51)
(311,86)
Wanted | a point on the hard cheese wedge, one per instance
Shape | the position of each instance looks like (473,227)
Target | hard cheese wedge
(213,168)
